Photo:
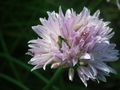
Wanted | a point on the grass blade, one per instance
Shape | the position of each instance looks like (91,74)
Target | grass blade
(25,66)
(17,83)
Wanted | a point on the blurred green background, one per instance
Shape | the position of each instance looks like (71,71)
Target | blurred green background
(16,19)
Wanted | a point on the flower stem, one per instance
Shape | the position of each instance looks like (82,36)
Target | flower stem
(53,79)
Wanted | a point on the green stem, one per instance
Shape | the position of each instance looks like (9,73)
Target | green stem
(54,78)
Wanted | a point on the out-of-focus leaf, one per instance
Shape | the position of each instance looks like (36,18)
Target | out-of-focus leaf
(17,83)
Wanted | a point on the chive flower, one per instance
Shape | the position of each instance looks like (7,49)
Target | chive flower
(79,42)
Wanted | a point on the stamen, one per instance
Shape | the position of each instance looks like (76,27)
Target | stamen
(81,63)
(60,40)
(77,26)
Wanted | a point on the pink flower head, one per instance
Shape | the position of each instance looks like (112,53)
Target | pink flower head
(79,42)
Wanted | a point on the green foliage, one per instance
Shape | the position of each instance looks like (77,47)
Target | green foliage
(17,17)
